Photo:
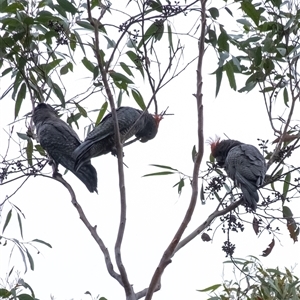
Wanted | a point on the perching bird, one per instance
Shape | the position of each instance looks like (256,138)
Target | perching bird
(101,140)
(60,140)
(244,164)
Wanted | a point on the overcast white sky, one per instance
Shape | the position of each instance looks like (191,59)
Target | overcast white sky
(75,264)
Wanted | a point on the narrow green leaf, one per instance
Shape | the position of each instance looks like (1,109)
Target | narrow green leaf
(120,77)
(163,167)
(281,51)
(134,58)
(248,87)
(29,151)
(214,12)
(267,89)
(30,259)
(73,119)
(42,242)
(155,30)
(20,225)
(88,64)
(25,297)
(236,63)
(212,37)
(219,75)
(120,97)
(217,196)
(156,5)
(50,66)
(110,43)
(95,72)
(126,69)
(10,272)
(194,154)
(20,98)
(101,112)
(81,110)
(67,6)
(8,217)
(228,189)
(202,198)
(3,5)
(158,174)
(150,32)
(19,246)
(3,292)
(79,41)
(73,41)
(64,70)
(230,74)
(40,149)
(228,10)
(257,56)
(286,185)
(58,92)
(244,22)
(286,211)
(250,10)
(85,25)
(223,41)
(160,31)
(60,10)
(122,85)
(180,185)
(102,55)
(131,43)
(285,97)
(170,38)
(211,288)
(138,99)
(6,71)
(278,174)
(268,66)
(23,136)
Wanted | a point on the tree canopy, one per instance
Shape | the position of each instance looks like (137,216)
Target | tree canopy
(87,59)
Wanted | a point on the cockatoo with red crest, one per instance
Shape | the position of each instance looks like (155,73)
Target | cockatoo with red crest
(244,164)
(101,140)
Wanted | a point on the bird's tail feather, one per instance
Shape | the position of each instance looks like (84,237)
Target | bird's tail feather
(250,196)
(88,175)
(81,155)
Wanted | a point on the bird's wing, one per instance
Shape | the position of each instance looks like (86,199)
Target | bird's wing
(58,139)
(126,118)
(245,163)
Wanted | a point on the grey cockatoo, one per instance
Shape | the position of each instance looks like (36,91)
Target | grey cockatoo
(101,140)
(60,140)
(244,164)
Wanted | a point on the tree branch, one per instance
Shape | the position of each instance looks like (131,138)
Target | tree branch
(169,252)
(92,229)
(206,223)
(124,279)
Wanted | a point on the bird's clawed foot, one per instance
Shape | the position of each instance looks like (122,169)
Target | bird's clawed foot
(114,151)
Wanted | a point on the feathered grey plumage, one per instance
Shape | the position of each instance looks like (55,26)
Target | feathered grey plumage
(244,164)
(60,140)
(101,140)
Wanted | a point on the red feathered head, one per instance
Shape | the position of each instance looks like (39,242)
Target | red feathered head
(213,144)
(157,118)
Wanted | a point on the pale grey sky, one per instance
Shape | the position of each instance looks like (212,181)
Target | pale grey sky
(75,264)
